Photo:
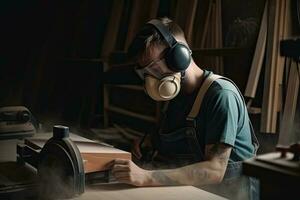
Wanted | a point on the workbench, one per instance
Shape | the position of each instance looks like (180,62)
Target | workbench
(26,189)
(18,179)
(279,177)
(116,191)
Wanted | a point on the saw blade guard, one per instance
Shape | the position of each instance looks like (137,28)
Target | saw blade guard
(60,167)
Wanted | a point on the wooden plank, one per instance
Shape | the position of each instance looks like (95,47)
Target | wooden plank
(153,8)
(112,28)
(258,57)
(185,17)
(271,85)
(217,25)
(95,155)
(283,21)
(109,45)
(284,32)
(285,25)
(212,41)
(180,6)
(215,38)
(217,35)
(220,34)
(280,59)
(127,192)
(134,21)
(286,127)
(189,21)
(206,25)
(199,23)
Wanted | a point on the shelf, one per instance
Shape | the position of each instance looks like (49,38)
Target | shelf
(131,87)
(226,51)
(131,114)
(97,60)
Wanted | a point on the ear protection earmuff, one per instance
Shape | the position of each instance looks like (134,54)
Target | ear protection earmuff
(178,55)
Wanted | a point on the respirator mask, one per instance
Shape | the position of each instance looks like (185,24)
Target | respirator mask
(163,89)
(159,84)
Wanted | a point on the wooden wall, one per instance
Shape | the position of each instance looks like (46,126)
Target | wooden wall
(56,51)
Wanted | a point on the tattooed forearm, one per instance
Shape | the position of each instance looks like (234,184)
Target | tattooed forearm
(162,178)
(200,173)
(197,174)
(208,172)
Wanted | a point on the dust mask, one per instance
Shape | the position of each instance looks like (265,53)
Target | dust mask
(163,89)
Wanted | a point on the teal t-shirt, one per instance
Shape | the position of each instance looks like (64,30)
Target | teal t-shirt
(223,118)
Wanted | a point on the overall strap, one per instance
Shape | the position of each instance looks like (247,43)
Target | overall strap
(202,91)
(197,104)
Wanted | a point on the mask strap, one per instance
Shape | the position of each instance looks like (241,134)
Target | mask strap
(182,77)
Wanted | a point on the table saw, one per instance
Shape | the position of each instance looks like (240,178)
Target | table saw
(61,164)
(89,179)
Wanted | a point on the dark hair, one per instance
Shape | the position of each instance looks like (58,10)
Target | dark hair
(148,37)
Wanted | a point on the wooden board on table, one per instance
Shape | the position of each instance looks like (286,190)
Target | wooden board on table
(126,192)
(95,154)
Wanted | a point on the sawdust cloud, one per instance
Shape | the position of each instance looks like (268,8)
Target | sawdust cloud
(55,184)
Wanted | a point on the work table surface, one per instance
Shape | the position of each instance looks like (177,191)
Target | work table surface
(117,191)
(99,191)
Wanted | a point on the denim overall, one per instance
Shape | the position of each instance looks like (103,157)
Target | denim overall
(186,146)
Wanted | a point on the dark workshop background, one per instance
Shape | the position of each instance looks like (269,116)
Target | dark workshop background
(54,54)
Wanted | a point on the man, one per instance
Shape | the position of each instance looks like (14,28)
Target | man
(207,140)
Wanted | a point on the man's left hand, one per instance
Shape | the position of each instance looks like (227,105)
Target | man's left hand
(125,171)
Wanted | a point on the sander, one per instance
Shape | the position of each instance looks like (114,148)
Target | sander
(16,122)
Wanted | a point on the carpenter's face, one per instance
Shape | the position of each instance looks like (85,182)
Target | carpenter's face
(153,63)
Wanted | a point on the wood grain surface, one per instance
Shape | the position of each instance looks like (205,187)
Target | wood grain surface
(125,192)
